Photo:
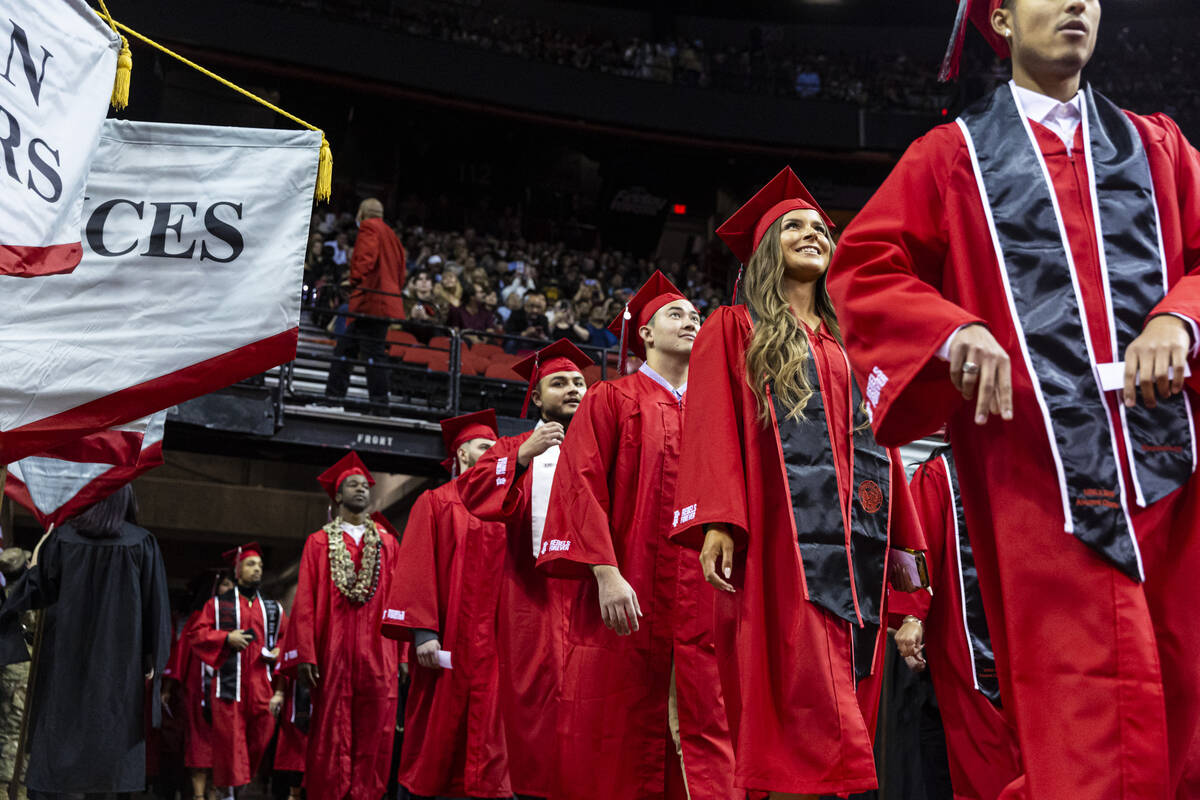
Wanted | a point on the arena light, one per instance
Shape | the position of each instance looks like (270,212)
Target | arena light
(679,209)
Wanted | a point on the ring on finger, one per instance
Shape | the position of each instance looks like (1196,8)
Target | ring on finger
(970,368)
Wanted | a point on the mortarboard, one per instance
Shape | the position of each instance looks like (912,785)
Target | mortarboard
(456,431)
(743,232)
(349,464)
(561,356)
(979,12)
(235,556)
(655,293)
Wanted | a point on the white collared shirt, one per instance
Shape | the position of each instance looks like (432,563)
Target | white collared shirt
(678,394)
(1062,118)
(355,532)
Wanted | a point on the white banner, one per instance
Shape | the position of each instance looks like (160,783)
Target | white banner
(194,240)
(54,489)
(57,78)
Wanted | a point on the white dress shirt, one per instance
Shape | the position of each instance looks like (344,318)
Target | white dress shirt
(354,531)
(1063,119)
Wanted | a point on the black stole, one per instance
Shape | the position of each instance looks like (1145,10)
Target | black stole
(1038,271)
(228,611)
(845,579)
(979,640)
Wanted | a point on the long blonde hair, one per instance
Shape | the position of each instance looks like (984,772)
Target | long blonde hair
(778,352)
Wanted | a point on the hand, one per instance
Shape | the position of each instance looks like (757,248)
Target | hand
(272,655)
(1164,344)
(308,675)
(150,675)
(276,704)
(427,654)
(543,439)
(238,640)
(619,606)
(991,386)
(910,641)
(717,553)
(404,671)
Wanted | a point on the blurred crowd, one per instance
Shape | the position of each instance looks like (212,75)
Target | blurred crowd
(498,284)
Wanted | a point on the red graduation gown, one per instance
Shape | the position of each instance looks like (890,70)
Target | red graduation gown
(291,748)
(354,703)
(611,504)
(241,729)
(187,670)
(980,744)
(529,622)
(446,581)
(1101,675)
(786,669)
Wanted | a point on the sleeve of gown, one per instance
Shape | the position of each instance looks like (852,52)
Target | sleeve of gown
(156,608)
(905,523)
(208,642)
(493,490)
(177,662)
(413,599)
(577,522)
(39,586)
(929,494)
(300,645)
(1184,297)
(885,281)
(712,485)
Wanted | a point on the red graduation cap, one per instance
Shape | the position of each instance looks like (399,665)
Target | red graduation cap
(240,553)
(349,464)
(561,356)
(980,14)
(743,232)
(655,293)
(457,431)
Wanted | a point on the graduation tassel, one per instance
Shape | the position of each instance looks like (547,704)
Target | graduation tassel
(737,285)
(532,380)
(949,68)
(625,317)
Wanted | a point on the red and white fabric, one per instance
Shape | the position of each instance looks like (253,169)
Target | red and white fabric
(61,59)
(55,488)
(194,241)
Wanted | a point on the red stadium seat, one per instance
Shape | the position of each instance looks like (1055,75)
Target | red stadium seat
(440,343)
(438,361)
(500,370)
(488,351)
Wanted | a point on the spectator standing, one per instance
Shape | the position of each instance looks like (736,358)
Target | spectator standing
(107,632)
(376,276)
(473,314)
(449,292)
(566,326)
(598,333)
(421,301)
(530,320)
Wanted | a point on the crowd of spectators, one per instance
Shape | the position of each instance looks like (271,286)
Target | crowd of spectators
(486,285)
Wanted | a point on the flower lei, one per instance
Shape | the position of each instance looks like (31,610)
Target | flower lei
(357,587)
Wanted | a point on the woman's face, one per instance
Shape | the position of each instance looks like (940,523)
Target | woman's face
(449,280)
(806,244)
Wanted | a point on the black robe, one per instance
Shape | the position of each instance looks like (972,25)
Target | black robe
(106,621)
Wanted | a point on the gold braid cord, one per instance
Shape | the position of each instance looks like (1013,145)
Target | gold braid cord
(121,96)
(357,587)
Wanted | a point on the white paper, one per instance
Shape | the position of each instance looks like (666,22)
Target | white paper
(1112,376)
(444,659)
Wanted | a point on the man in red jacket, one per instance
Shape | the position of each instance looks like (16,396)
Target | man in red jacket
(376,278)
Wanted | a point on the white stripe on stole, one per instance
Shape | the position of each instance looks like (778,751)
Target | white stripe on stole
(962,586)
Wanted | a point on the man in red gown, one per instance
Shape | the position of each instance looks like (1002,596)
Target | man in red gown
(192,677)
(237,634)
(511,484)
(638,718)
(444,598)
(1016,258)
(981,746)
(334,645)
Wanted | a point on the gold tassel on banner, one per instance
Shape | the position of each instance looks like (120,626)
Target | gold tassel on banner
(120,95)
(324,171)
(120,92)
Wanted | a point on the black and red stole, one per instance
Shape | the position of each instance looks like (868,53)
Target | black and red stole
(229,618)
(1039,276)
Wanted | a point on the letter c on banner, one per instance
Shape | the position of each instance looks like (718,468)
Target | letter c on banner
(95,227)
